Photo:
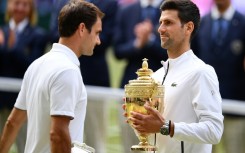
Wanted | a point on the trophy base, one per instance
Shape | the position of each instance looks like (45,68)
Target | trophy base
(143,148)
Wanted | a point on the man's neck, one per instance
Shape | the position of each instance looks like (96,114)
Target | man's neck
(176,52)
(68,42)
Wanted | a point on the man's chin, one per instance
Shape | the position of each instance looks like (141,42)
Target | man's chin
(164,46)
(89,53)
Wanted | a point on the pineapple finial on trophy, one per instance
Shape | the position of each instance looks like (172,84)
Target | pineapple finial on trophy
(144,73)
(145,63)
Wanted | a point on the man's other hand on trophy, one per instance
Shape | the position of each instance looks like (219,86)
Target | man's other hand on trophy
(147,123)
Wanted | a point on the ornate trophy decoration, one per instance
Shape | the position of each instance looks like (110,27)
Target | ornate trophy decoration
(139,92)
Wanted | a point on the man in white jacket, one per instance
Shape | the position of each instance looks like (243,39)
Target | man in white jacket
(192,119)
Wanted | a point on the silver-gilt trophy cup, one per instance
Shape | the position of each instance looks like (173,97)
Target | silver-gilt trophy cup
(138,92)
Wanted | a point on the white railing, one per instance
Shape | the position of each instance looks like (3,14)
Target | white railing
(100,93)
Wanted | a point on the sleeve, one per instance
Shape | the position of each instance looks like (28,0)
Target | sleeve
(64,93)
(207,104)
(21,99)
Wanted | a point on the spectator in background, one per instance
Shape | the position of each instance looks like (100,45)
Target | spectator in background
(135,38)
(221,43)
(206,5)
(125,2)
(95,71)
(53,26)
(21,42)
(2,11)
(44,10)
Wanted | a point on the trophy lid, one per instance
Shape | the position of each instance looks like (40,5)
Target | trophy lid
(144,71)
(144,75)
(144,85)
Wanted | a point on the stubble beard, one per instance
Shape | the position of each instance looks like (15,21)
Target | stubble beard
(166,44)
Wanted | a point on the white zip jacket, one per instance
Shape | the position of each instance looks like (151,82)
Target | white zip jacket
(193,102)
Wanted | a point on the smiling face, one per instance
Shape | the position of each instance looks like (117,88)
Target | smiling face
(20,9)
(91,39)
(174,35)
(170,29)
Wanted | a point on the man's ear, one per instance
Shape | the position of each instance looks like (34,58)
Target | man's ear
(189,27)
(81,27)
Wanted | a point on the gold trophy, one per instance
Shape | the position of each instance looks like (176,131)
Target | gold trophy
(138,92)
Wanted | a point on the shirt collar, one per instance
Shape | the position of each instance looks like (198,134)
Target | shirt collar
(165,63)
(228,14)
(20,27)
(154,3)
(57,47)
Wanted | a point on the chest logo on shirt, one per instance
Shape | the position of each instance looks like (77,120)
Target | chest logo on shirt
(174,84)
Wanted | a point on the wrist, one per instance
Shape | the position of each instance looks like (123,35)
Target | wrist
(171,134)
(165,128)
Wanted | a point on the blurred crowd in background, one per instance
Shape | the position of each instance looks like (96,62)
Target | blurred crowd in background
(29,27)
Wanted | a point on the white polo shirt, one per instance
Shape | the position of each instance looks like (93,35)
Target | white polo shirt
(193,103)
(52,85)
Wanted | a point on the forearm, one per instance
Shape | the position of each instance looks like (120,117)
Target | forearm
(60,143)
(11,129)
(202,132)
(8,136)
(60,139)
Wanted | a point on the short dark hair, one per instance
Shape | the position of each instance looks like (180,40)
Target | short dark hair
(76,12)
(187,11)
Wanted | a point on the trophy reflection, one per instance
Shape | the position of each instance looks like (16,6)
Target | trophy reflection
(138,92)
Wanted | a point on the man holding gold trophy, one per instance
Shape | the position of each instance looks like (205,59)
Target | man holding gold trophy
(191,118)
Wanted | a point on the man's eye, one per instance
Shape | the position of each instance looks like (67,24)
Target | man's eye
(167,22)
